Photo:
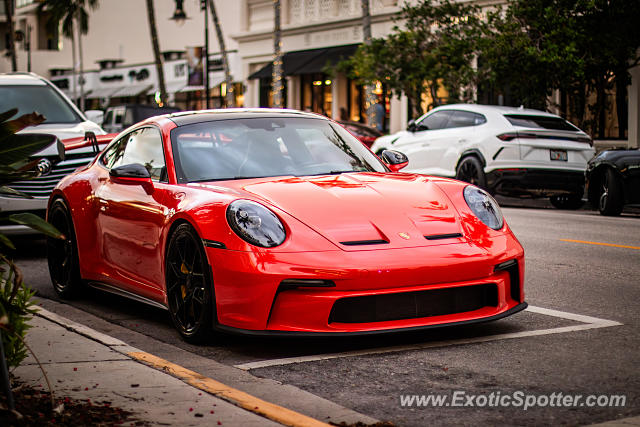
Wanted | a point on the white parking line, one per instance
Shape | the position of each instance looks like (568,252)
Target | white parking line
(588,322)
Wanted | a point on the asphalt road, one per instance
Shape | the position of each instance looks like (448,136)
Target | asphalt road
(577,263)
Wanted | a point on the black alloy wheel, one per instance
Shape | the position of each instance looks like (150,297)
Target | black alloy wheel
(62,254)
(470,170)
(610,200)
(188,284)
(567,201)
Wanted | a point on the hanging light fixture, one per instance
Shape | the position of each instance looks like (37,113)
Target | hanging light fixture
(179,15)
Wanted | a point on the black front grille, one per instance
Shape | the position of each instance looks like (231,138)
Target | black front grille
(42,186)
(412,305)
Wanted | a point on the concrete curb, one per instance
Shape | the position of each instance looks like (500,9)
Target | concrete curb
(242,400)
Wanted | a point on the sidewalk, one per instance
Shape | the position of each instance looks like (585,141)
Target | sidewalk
(85,364)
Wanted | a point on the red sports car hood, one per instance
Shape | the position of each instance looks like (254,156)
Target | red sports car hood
(356,210)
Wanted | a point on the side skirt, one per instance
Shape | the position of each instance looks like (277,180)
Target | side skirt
(121,292)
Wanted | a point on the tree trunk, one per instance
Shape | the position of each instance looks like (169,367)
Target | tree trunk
(600,107)
(225,59)
(622,81)
(277,84)
(81,77)
(369,96)
(151,15)
(8,11)
(74,79)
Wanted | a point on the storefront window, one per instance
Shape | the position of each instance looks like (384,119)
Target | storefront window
(219,95)
(356,102)
(266,94)
(316,93)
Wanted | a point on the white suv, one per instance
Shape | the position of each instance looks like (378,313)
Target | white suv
(509,151)
(28,93)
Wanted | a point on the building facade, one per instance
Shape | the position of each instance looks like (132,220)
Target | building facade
(117,52)
(316,35)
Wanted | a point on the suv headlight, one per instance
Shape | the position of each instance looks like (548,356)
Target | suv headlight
(255,224)
(484,207)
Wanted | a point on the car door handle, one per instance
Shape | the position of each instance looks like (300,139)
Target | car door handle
(462,140)
(425,144)
(103,204)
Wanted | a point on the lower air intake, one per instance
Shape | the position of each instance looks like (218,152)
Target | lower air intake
(412,305)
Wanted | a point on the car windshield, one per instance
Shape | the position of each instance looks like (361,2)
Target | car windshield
(42,99)
(262,147)
(540,122)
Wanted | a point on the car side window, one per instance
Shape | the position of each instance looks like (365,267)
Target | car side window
(108,118)
(435,121)
(143,146)
(119,114)
(465,118)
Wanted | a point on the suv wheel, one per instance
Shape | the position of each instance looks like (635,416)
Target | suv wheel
(470,170)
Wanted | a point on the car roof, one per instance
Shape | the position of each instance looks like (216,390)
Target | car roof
(17,79)
(489,109)
(190,117)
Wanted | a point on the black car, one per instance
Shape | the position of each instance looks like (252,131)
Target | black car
(613,180)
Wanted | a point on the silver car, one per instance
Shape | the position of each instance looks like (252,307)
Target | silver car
(29,92)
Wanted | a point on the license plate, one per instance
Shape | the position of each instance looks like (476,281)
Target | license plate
(560,155)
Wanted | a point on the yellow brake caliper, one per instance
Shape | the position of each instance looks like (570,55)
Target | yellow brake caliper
(183,288)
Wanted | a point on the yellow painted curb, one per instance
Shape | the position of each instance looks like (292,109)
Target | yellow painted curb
(600,244)
(239,398)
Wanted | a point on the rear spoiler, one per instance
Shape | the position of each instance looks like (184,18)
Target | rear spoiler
(89,139)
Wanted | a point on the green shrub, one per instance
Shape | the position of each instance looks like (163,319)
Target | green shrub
(16,305)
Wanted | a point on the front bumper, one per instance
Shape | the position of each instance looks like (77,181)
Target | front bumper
(14,205)
(383,288)
(535,182)
(295,334)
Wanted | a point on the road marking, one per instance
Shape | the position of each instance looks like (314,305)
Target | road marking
(587,322)
(239,398)
(601,244)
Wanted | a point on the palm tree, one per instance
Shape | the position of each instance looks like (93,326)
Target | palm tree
(9,6)
(277,85)
(73,16)
(151,15)
(225,58)
(370,97)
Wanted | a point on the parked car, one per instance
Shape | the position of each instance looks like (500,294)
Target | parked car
(613,180)
(280,222)
(365,134)
(120,117)
(509,151)
(28,93)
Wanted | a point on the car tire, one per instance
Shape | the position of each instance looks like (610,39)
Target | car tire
(62,254)
(470,170)
(567,201)
(610,197)
(189,285)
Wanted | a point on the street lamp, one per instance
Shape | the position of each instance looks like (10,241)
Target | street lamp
(21,36)
(180,16)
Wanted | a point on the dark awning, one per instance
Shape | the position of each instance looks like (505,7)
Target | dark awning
(328,57)
(307,61)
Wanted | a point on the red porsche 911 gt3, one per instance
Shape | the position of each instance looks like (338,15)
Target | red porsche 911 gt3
(280,222)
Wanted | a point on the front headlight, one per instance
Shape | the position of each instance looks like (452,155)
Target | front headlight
(255,224)
(484,207)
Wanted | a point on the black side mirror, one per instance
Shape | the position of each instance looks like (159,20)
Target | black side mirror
(133,171)
(411,126)
(395,160)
